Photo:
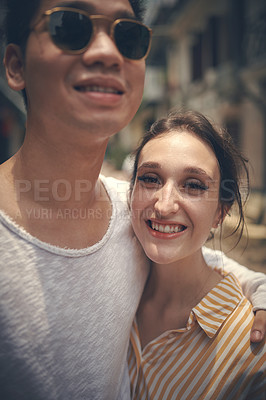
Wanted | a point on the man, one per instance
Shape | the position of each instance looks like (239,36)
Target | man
(72,272)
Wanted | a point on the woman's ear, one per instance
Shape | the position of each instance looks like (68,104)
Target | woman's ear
(14,65)
(221,213)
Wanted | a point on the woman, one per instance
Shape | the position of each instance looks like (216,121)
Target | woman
(190,336)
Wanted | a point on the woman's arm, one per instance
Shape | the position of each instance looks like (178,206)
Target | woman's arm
(253,286)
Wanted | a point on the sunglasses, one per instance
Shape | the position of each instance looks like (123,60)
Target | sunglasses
(71,30)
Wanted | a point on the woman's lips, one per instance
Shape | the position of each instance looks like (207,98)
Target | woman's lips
(165,228)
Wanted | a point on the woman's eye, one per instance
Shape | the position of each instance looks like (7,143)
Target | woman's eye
(149,180)
(195,187)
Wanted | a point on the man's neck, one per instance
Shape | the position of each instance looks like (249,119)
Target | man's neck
(43,185)
(62,165)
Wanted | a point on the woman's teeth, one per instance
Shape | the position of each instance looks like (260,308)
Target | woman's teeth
(167,228)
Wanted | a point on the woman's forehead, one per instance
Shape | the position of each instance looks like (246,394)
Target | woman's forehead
(178,149)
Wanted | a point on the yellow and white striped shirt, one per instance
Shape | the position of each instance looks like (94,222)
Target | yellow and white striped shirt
(212,358)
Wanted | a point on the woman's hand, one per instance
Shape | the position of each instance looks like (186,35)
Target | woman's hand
(258,329)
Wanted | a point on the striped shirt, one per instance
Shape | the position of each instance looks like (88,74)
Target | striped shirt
(212,358)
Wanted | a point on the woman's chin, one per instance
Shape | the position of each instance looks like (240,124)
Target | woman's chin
(158,258)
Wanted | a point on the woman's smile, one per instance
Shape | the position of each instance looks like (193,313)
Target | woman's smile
(167,228)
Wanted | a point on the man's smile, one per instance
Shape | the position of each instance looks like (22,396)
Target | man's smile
(100,89)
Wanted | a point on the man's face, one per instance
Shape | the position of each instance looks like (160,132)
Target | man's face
(98,91)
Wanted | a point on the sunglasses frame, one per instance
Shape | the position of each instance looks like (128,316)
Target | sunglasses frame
(92,18)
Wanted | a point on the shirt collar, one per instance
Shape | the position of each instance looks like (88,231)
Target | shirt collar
(217,305)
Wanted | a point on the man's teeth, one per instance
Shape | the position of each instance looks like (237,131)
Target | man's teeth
(100,89)
(167,228)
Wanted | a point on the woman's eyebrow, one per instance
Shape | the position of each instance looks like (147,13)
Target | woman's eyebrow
(189,170)
(198,171)
(152,165)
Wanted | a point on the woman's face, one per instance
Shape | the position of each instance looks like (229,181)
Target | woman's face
(175,198)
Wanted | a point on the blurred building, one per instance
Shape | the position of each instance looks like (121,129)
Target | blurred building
(210,55)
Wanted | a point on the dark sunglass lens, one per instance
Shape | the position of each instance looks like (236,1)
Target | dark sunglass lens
(132,39)
(70,30)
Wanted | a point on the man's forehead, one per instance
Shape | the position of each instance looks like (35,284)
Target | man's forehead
(117,8)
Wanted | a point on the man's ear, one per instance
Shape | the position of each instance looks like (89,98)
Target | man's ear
(14,65)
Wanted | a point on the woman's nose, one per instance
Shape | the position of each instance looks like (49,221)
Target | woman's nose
(167,201)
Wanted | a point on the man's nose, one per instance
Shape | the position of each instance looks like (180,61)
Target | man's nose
(102,49)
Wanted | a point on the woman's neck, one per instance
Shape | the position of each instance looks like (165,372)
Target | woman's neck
(181,282)
(170,294)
